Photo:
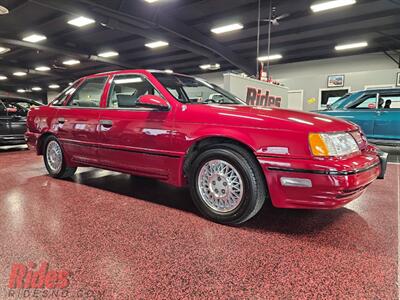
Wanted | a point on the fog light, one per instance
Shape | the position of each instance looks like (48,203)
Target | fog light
(298,182)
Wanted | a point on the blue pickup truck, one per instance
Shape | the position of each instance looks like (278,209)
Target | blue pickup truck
(377,112)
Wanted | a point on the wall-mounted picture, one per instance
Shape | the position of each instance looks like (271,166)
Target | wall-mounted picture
(398,79)
(335,80)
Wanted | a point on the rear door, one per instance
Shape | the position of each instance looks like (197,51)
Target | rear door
(387,124)
(4,121)
(78,120)
(18,111)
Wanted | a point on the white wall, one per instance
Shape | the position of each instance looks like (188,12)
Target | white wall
(311,76)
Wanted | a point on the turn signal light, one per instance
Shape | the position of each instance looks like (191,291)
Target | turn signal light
(317,145)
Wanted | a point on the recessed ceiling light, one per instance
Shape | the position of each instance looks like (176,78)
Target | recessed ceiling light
(54,86)
(269,58)
(42,68)
(70,83)
(36,89)
(19,74)
(71,62)
(156,44)
(210,67)
(2,77)
(3,10)
(168,71)
(21,91)
(351,46)
(331,5)
(81,21)
(4,50)
(34,38)
(108,54)
(227,28)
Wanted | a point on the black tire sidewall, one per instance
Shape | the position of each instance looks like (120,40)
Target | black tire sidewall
(249,199)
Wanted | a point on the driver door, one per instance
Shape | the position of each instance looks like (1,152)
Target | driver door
(135,139)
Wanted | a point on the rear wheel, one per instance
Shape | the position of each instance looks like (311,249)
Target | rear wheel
(227,185)
(54,159)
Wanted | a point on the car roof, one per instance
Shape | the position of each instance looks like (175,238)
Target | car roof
(127,71)
(8,97)
(378,90)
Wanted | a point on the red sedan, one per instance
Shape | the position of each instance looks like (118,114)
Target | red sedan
(234,157)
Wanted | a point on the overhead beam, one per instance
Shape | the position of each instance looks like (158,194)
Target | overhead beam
(63,51)
(140,22)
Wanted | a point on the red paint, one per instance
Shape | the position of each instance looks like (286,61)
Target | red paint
(154,143)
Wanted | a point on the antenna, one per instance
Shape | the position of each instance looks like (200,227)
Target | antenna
(258,35)
(269,38)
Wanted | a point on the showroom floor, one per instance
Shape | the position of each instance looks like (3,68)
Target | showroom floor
(118,236)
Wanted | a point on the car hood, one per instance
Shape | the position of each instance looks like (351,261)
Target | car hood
(264,117)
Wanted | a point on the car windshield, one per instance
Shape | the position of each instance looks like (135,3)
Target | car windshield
(339,102)
(195,90)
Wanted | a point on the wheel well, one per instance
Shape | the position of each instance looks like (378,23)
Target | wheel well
(207,143)
(40,142)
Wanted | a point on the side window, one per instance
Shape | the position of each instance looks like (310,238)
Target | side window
(391,101)
(127,89)
(368,102)
(89,93)
(60,98)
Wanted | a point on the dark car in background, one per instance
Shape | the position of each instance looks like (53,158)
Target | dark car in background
(13,112)
(376,111)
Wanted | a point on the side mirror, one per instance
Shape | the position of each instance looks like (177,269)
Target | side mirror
(153,101)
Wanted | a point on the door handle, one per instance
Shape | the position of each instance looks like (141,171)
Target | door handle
(61,120)
(106,123)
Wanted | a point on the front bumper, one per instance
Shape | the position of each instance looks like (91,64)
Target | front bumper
(6,140)
(333,183)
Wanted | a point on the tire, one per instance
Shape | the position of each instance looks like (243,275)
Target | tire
(214,184)
(54,159)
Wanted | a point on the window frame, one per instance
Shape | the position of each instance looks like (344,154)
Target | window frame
(360,100)
(79,86)
(110,86)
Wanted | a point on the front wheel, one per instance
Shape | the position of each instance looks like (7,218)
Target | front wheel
(55,161)
(227,185)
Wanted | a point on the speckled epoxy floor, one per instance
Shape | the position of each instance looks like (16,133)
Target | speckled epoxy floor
(129,238)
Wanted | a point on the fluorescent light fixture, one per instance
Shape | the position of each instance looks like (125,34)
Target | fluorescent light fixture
(168,71)
(19,74)
(128,80)
(269,58)
(210,67)
(331,5)
(227,28)
(351,46)
(34,38)
(81,21)
(21,91)
(156,44)
(3,10)
(71,62)
(108,54)
(42,68)
(36,89)
(151,1)
(4,50)
(54,86)
(2,77)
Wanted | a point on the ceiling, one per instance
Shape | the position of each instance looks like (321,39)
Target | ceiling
(125,26)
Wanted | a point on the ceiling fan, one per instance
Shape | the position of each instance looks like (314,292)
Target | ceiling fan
(275,20)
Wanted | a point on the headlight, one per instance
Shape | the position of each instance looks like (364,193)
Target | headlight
(332,144)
